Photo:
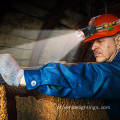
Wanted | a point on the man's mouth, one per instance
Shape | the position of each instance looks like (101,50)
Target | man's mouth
(96,54)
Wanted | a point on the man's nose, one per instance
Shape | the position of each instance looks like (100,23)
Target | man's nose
(95,45)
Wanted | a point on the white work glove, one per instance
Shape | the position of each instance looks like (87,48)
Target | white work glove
(10,70)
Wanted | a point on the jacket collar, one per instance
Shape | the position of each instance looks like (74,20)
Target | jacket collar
(117,57)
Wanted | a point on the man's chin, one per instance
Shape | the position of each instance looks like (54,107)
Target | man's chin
(100,60)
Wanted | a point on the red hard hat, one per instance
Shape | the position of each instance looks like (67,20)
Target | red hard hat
(102,19)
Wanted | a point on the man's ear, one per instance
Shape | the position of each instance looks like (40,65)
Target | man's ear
(117,42)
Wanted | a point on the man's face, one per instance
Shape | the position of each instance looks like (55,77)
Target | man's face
(104,49)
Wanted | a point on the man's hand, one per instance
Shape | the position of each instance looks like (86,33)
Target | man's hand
(10,70)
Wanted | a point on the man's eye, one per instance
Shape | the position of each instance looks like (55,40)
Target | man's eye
(92,42)
(100,40)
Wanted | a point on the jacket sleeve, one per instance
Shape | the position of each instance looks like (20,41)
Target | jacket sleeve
(77,81)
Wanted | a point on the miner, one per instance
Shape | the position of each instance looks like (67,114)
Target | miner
(89,81)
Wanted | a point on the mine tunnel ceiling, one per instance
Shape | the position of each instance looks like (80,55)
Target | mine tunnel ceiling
(89,7)
(62,14)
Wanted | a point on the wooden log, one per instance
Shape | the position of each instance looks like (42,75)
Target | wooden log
(3,104)
(44,107)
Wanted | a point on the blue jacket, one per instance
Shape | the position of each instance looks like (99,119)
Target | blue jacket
(77,81)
